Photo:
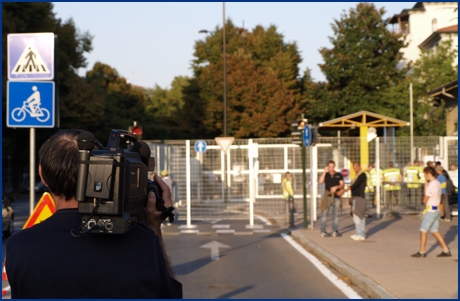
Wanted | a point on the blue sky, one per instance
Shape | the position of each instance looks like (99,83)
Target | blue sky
(152,42)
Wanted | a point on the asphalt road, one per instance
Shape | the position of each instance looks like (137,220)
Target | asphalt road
(228,259)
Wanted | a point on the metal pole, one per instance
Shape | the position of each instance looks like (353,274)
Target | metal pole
(32,170)
(304,184)
(251,182)
(379,180)
(411,126)
(225,71)
(187,182)
(314,181)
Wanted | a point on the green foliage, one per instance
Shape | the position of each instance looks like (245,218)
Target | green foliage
(361,65)
(434,68)
(262,85)
(120,102)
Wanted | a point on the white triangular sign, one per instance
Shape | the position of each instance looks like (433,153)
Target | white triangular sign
(224,142)
(30,62)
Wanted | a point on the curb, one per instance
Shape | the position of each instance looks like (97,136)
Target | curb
(369,286)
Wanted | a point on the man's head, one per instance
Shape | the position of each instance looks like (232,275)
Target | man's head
(390,164)
(370,167)
(430,164)
(453,167)
(430,173)
(288,175)
(357,167)
(58,159)
(438,163)
(331,166)
(439,169)
(164,173)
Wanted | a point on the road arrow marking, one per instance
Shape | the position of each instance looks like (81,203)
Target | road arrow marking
(214,246)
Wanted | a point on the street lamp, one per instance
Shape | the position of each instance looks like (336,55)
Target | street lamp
(224,67)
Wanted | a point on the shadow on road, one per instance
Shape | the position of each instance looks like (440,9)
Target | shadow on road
(191,266)
(236,292)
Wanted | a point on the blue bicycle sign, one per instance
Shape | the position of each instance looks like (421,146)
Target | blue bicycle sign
(30,104)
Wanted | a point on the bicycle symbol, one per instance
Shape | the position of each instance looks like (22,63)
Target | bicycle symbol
(31,106)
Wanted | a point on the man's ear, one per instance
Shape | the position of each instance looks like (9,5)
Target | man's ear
(41,176)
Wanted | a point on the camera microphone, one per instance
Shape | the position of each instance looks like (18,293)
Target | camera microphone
(85,142)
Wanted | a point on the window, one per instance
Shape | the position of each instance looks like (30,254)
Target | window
(434,25)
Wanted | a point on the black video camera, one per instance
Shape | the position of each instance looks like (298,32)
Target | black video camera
(113,184)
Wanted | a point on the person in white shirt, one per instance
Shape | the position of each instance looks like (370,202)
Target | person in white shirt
(431,214)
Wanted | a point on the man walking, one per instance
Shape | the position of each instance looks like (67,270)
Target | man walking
(431,214)
(359,202)
(334,183)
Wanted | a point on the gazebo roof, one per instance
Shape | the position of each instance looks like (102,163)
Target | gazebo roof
(362,118)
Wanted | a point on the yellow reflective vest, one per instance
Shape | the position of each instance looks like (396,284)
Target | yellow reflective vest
(412,177)
(369,186)
(374,179)
(287,188)
(392,177)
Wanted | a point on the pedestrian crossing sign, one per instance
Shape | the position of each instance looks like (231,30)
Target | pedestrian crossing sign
(31,56)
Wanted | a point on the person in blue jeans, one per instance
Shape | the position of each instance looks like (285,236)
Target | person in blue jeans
(333,184)
(431,214)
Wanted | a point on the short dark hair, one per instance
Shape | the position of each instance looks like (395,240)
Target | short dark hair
(58,158)
(430,170)
(330,162)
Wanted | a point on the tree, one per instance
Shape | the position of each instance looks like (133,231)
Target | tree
(29,17)
(361,65)
(434,68)
(262,85)
(119,102)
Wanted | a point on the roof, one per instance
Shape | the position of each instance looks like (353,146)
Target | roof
(362,118)
(448,29)
(446,88)
(435,37)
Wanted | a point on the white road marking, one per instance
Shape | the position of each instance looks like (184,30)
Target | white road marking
(342,286)
(220,226)
(189,231)
(254,227)
(226,231)
(214,246)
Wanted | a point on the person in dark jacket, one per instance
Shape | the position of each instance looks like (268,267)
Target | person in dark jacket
(358,202)
(48,261)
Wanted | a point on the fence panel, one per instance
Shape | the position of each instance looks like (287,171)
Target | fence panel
(220,185)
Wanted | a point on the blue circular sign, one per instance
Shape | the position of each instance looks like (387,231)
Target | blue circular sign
(200,146)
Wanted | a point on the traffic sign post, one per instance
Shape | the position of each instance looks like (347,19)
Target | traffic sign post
(200,146)
(31,100)
(30,104)
(306,136)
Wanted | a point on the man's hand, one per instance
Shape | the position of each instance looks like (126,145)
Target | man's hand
(333,189)
(153,215)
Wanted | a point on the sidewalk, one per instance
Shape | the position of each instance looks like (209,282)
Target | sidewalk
(382,265)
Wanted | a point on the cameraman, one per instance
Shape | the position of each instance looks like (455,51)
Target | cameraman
(47,261)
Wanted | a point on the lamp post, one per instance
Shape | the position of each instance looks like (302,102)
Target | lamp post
(224,66)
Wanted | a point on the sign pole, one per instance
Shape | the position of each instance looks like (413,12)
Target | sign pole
(32,170)
(304,184)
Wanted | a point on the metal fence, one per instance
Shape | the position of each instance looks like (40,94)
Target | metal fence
(220,186)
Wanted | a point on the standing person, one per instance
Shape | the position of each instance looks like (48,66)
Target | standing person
(412,182)
(334,183)
(94,266)
(168,180)
(392,179)
(288,192)
(442,179)
(431,214)
(358,202)
(369,191)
